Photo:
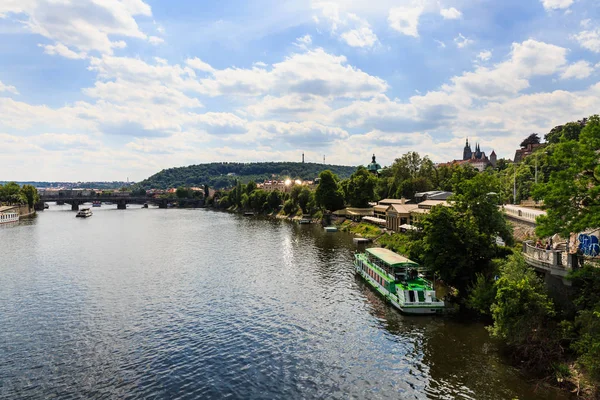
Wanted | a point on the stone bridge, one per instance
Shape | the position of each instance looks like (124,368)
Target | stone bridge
(121,200)
(553,262)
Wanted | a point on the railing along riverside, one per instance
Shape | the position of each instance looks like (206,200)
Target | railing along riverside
(551,257)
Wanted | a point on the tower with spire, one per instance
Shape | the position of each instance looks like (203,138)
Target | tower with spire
(467,153)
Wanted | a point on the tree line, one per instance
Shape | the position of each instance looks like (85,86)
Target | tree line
(12,193)
(225,175)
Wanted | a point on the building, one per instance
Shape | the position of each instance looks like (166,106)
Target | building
(523,152)
(478,159)
(432,195)
(284,186)
(399,215)
(374,167)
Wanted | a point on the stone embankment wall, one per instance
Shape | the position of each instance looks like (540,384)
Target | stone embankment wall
(25,211)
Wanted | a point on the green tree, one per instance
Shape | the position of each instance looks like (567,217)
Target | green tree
(250,187)
(11,193)
(523,314)
(328,194)
(360,189)
(478,198)
(572,193)
(453,248)
(305,197)
(534,138)
(31,195)
(182,192)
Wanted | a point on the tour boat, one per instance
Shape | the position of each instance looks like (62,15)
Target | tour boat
(399,280)
(9,217)
(84,213)
(96,203)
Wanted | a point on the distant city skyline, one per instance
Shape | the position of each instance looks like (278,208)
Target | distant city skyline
(105,90)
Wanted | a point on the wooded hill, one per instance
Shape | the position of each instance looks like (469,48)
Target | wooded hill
(222,175)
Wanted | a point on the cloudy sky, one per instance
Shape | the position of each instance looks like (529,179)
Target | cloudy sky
(110,89)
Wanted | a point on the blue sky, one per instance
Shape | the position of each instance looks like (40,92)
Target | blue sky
(110,89)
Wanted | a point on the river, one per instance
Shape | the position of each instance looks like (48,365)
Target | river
(185,304)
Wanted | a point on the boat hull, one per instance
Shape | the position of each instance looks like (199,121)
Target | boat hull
(412,309)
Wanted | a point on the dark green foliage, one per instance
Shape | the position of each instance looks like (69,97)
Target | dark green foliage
(360,188)
(534,138)
(305,198)
(328,195)
(222,175)
(572,192)
(454,248)
(523,315)
(482,295)
(12,193)
(30,195)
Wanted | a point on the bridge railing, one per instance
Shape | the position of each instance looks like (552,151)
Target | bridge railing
(552,258)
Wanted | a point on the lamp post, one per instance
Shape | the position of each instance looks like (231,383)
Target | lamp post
(515,186)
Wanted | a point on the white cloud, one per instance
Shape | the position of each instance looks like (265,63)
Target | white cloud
(484,55)
(8,88)
(85,25)
(450,13)
(351,28)
(589,40)
(440,43)
(556,4)
(155,40)
(406,19)
(313,72)
(579,70)
(62,50)
(305,40)
(462,41)
(199,65)
(362,37)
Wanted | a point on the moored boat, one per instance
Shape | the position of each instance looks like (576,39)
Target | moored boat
(96,203)
(84,213)
(330,229)
(9,214)
(399,280)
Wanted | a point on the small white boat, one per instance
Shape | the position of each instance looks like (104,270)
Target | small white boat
(84,213)
(330,229)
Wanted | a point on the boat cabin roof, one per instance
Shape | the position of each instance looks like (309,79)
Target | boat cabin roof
(391,258)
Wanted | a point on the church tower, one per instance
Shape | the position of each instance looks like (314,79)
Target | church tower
(493,159)
(467,153)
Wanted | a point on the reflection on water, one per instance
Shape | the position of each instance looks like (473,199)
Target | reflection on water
(195,303)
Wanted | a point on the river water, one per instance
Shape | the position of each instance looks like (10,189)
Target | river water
(185,304)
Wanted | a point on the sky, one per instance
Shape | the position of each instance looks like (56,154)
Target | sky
(102,90)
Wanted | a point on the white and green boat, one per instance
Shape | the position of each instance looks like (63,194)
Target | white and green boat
(399,280)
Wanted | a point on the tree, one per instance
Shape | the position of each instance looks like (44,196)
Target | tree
(522,314)
(572,193)
(453,248)
(182,192)
(360,188)
(328,194)
(30,193)
(478,198)
(206,191)
(534,138)
(305,197)
(11,193)
(250,187)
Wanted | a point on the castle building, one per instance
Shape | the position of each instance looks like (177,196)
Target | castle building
(478,159)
